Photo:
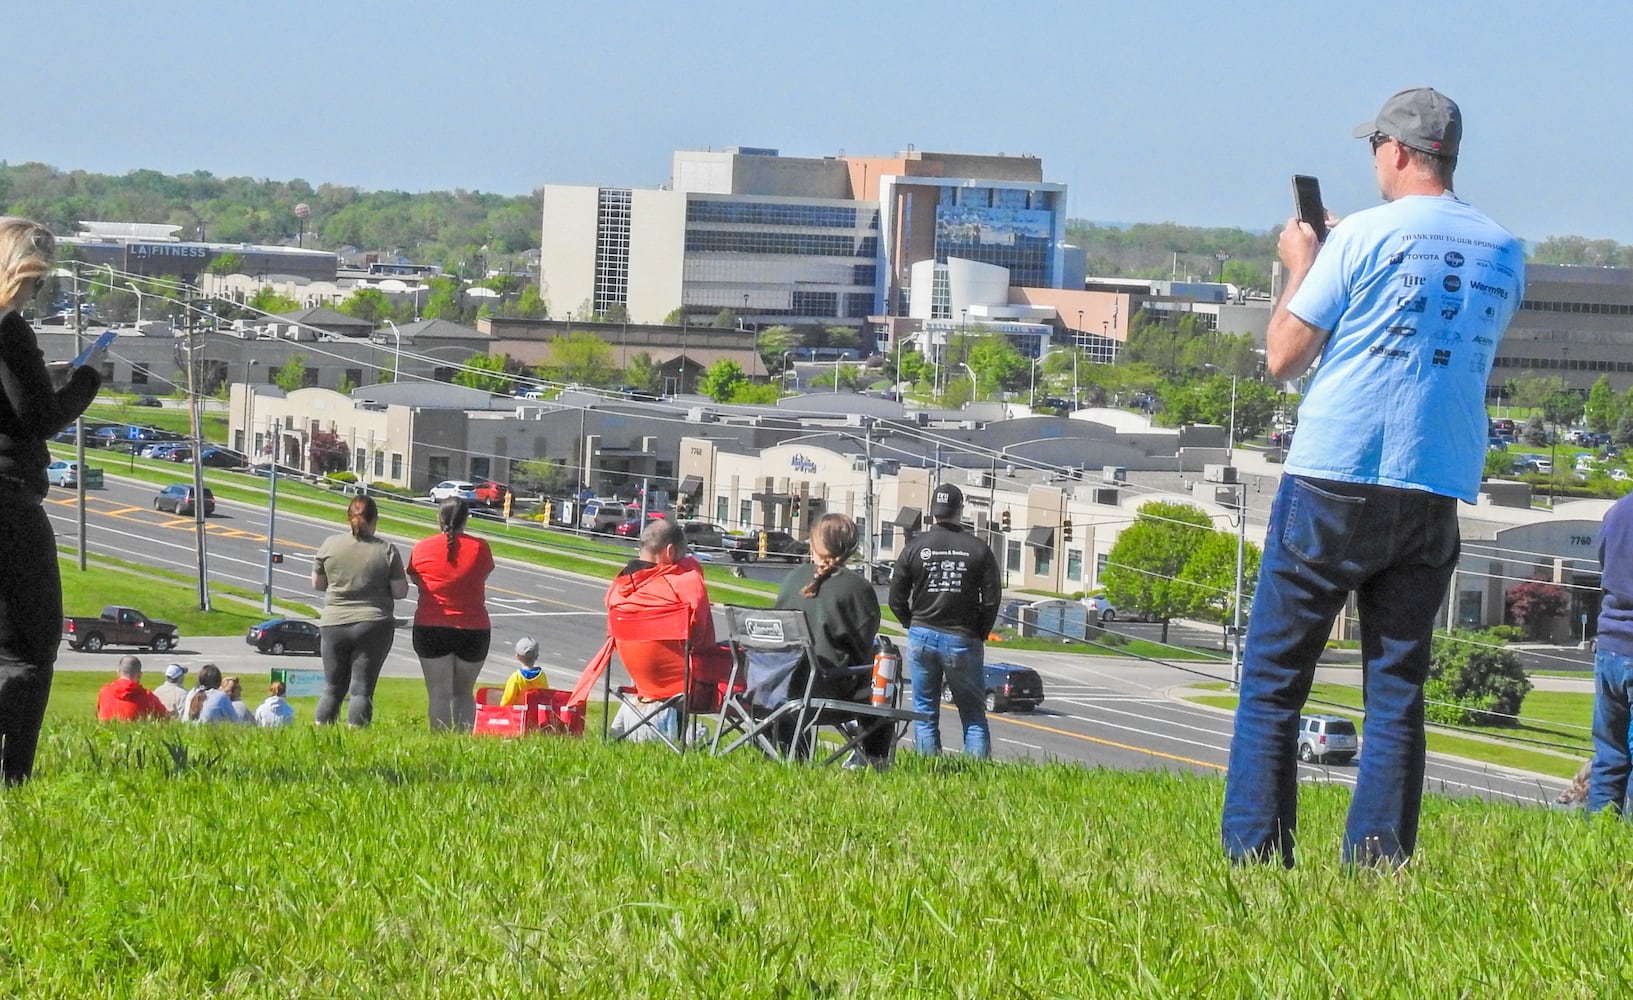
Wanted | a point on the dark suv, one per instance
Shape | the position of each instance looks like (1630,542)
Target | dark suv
(178,499)
(1012,687)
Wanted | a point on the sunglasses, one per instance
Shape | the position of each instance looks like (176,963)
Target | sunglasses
(1378,139)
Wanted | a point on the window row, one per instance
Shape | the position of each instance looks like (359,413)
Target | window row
(1592,308)
(760,213)
(803,244)
(1568,364)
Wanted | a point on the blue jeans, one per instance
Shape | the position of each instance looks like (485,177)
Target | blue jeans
(1395,550)
(931,656)
(1613,691)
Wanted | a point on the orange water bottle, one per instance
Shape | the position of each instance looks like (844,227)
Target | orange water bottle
(887,666)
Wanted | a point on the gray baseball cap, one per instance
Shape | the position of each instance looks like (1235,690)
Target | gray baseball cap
(1422,118)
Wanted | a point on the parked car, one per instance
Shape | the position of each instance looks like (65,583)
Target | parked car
(178,499)
(146,401)
(118,626)
(222,458)
(491,493)
(628,529)
(453,489)
(603,515)
(704,536)
(179,453)
(1108,613)
(283,635)
(778,545)
(64,474)
(1328,739)
(1012,687)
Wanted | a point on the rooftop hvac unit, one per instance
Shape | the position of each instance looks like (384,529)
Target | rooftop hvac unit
(980,479)
(1106,495)
(1114,473)
(701,415)
(1219,473)
(921,417)
(858,420)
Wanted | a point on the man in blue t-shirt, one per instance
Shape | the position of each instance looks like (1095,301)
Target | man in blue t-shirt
(1402,307)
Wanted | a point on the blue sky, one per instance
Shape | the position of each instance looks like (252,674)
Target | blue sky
(1156,111)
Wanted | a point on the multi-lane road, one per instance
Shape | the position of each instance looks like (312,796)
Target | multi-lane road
(1103,711)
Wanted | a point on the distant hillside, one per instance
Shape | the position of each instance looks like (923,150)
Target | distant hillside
(1148,250)
(444,227)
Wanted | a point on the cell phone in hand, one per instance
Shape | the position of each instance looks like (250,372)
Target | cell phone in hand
(99,345)
(1307,202)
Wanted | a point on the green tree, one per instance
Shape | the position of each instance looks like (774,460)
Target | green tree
(1208,401)
(291,375)
(675,316)
(642,372)
(485,372)
(1211,571)
(774,343)
(367,304)
(998,366)
(1474,680)
(1498,463)
(1145,567)
(266,300)
(725,319)
(721,380)
(542,477)
(1530,390)
(1602,409)
(756,393)
(531,304)
(582,357)
(443,301)
(909,362)
(227,263)
(841,336)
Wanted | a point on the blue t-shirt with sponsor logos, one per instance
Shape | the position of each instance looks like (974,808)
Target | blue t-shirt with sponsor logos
(1416,294)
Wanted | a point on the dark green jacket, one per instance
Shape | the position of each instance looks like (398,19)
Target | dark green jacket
(843,616)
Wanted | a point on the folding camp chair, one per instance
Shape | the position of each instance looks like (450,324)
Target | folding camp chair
(627,631)
(769,700)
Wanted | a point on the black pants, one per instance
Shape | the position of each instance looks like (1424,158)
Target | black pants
(30,630)
(352,658)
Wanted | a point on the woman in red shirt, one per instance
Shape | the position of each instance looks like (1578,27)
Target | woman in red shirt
(451,627)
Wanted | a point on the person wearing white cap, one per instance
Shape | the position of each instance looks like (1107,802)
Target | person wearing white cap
(1402,307)
(172,692)
(527,677)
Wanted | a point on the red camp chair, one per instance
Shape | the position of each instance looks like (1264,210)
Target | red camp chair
(542,711)
(640,638)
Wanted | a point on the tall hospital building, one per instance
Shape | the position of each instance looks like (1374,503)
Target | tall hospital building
(796,240)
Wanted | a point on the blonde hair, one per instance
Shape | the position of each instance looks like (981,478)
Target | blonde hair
(835,534)
(26,250)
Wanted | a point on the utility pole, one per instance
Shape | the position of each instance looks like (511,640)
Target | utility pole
(194,404)
(872,553)
(272,518)
(79,422)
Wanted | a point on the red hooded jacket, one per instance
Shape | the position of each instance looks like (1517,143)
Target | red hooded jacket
(126,700)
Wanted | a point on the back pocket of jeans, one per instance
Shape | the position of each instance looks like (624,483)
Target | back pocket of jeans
(1320,523)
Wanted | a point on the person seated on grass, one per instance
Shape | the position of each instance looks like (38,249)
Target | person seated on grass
(275,711)
(125,699)
(233,688)
(527,677)
(661,576)
(172,692)
(208,703)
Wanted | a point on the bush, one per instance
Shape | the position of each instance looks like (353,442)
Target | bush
(1474,680)
(342,477)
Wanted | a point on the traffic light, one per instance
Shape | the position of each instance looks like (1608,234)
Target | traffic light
(1066,530)
(1003,520)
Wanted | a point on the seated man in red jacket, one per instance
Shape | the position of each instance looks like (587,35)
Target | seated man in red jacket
(125,699)
(663,575)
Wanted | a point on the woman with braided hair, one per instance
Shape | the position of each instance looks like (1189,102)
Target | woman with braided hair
(451,626)
(842,610)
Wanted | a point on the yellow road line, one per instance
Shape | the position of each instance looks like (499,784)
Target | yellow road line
(1110,743)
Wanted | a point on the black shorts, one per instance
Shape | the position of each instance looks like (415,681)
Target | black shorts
(432,642)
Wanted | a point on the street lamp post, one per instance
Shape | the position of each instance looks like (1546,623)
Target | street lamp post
(249,408)
(1077,348)
(975,387)
(397,358)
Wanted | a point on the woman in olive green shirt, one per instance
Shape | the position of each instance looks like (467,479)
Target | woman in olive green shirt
(362,578)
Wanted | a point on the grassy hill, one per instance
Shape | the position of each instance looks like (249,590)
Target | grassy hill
(172,861)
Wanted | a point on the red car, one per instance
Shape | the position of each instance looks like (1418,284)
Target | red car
(491,493)
(632,527)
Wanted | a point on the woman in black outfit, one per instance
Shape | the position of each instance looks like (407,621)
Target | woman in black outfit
(31,410)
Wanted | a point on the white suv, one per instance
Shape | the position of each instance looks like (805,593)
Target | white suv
(1330,739)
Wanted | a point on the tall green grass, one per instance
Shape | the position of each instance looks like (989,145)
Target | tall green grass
(168,860)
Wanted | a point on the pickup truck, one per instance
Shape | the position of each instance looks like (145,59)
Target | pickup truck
(778,545)
(118,626)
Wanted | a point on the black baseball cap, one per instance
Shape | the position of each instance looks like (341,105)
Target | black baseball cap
(947,501)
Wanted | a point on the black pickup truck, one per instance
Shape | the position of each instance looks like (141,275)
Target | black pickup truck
(778,545)
(118,626)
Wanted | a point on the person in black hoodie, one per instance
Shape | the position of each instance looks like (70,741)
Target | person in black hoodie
(31,410)
(946,590)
